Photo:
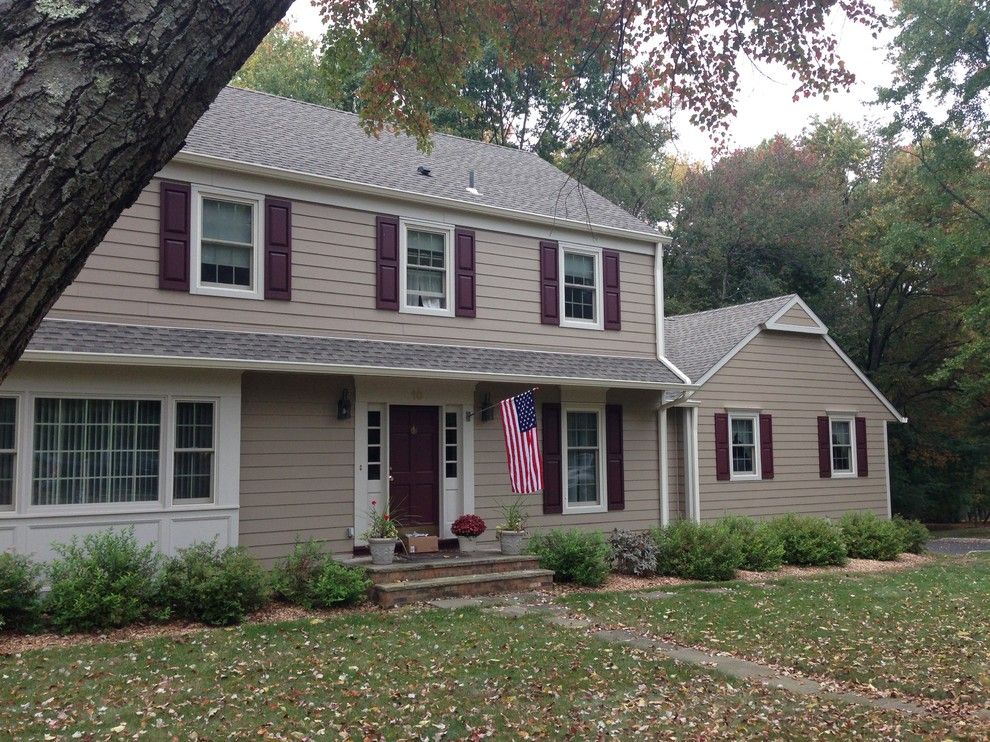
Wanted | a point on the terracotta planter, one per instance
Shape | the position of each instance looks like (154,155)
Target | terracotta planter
(382,550)
(467,544)
(512,542)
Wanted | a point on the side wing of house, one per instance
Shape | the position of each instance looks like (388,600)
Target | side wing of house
(797,431)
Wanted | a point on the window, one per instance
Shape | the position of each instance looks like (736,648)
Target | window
(227,244)
(90,451)
(581,299)
(426,277)
(745,451)
(842,447)
(583,440)
(374,445)
(450,444)
(192,478)
(8,450)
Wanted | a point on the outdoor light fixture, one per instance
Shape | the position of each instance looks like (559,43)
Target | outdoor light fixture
(487,409)
(344,406)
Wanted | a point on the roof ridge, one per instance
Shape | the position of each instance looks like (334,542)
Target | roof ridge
(357,115)
(731,306)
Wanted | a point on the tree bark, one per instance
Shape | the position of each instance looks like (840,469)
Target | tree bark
(95,97)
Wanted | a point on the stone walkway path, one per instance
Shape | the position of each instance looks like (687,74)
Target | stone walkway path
(525,604)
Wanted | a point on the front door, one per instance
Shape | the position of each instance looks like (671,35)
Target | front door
(414,467)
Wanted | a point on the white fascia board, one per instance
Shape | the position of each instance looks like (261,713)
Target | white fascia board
(774,322)
(862,377)
(399,194)
(49,356)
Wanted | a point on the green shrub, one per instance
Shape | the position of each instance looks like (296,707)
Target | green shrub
(104,581)
(867,536)
(914,535)
(698,551)
(216,586)
(338,584)
(20,588)
(762,549)
(633,553)
(809,542)
(294,579)
(574,556)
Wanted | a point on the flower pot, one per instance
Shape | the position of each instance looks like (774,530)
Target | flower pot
(382,550)
(467,544)
(512,542)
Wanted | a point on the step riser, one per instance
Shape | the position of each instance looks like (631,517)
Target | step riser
(452,569)
(418,595)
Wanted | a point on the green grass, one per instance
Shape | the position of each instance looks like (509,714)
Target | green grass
(405,674)
(924,632)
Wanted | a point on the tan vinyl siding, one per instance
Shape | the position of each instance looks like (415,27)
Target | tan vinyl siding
(333,289)
(675,461)
(640,458)
(797,316)
(297,464)
(796,378)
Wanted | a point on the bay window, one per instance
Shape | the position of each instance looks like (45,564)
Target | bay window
(192,478)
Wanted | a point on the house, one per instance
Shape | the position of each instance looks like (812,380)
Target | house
(295,320)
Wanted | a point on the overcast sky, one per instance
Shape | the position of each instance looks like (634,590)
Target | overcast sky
(765,105)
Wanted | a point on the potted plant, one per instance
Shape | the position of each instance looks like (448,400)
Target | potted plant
(381,535)
(467,528)
(513,530)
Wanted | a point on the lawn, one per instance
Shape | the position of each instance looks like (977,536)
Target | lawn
(923,632)
(414,673)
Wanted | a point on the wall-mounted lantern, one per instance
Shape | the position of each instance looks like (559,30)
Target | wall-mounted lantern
(344,405)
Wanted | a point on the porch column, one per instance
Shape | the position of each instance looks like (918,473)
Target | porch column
(692,488)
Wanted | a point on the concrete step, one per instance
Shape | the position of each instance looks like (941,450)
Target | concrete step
(480,564)
(391,594)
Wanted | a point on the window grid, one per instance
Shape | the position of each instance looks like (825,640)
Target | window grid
(450,445)
(374,445)
(841,431)
(579,286)
(743,432)
(8,450)
(426,269)
(89,451)
(195,450)
(583,457)
(227,244)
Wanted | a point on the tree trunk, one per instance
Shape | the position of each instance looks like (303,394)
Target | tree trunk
(95,97)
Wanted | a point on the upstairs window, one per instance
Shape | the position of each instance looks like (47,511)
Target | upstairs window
(581,297)
(227,252)
(426,269)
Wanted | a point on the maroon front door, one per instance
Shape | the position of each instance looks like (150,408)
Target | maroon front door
(414,466)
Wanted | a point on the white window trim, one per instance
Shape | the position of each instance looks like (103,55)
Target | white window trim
(602,505)
(15,484)
(599,322)
(174,502)
(257,201)
(852,471)
(757,472)
(447,231)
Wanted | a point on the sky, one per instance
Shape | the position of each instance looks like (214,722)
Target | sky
(764,102)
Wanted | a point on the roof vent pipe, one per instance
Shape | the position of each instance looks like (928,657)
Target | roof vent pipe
(470,188)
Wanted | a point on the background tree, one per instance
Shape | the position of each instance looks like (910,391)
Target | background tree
(286,63)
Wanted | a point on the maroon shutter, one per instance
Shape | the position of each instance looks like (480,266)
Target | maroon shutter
(614,476)
(278,249)
(824,448)
(552,468)
(387,247)
(464,281)
(613,309)
(173,237)
(549,284)
(721,446)
(766,445)
(862,463)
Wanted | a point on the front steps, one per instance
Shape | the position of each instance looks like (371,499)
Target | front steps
(453,576)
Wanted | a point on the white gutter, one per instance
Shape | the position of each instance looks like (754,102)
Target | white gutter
(327,181)
(126,359)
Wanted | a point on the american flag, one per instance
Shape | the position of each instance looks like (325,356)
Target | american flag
(521,445)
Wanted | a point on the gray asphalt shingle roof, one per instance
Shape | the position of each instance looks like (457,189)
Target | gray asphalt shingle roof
(65,336)
(262,129)
(696,342)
